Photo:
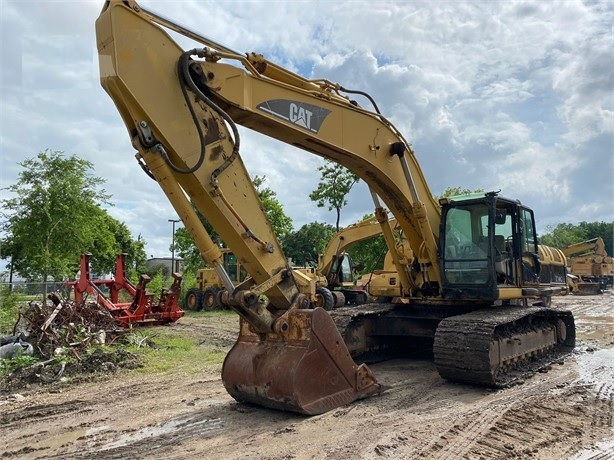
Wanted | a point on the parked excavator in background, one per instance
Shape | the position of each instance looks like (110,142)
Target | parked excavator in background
(334,274)
(471,286)
(590,266)
(205,295)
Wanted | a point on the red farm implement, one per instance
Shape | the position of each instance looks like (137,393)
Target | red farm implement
(141,309)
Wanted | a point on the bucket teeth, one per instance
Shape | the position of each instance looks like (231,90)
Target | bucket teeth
(308,369)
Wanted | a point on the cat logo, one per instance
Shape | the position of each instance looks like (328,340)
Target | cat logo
(307,116)
(300,116)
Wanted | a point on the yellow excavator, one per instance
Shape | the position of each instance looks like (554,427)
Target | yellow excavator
(590,266)
(333,276)
(472,285)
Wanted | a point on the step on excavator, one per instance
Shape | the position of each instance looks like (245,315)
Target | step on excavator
(471,287)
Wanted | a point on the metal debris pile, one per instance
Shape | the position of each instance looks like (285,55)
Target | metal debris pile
(65,327)
(67,340)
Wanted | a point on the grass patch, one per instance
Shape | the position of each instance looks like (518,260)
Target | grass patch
(7,366)
(162,351)
(211,314)
(11,303)
(9,311)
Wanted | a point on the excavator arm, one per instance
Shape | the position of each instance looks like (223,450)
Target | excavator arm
(593,246)
(591,267)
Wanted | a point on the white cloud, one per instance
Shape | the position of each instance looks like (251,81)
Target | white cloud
(517,96)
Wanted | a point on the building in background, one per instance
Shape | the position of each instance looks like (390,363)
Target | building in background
(164,263)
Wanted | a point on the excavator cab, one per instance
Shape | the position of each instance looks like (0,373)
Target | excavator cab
(488,247)
(342,270)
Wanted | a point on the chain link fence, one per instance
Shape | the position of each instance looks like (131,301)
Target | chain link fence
(35,289)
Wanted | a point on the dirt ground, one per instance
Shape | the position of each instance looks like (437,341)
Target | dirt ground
(565,413)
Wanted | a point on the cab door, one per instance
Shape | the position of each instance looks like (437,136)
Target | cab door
(530,266)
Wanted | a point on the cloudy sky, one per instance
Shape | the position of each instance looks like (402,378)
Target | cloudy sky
(517,96)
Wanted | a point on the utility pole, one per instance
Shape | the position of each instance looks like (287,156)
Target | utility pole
(174,221)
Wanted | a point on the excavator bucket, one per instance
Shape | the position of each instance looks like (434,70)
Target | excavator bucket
(586,288)
(306,369)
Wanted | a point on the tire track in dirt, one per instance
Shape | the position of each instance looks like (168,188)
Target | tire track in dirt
(604,398)
(473,432)
(567,416)
(548,416)
(508,421)
(423,380)
(172,437)
(77,422)
(597,376)
(154,439)
(515,433)
(43,412)
(459,439)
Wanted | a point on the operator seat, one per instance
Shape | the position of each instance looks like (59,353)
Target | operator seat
(502,260)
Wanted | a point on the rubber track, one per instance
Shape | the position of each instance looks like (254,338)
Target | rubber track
(462,344)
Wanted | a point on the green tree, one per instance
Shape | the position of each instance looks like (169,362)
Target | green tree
(603,229)
(566,234)
(307,243)
(110,237)
(336,181)
(281,223)
(187,250)
(368,254)
(54,216)
(561,235)
(136,257)
(10,251)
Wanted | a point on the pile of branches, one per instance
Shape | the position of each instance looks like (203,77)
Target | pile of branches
(66,327)
(66,338)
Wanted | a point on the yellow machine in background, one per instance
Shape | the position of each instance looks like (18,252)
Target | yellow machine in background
(335,270)
(333,276)
(590,266)
(205,296)
(470,284)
